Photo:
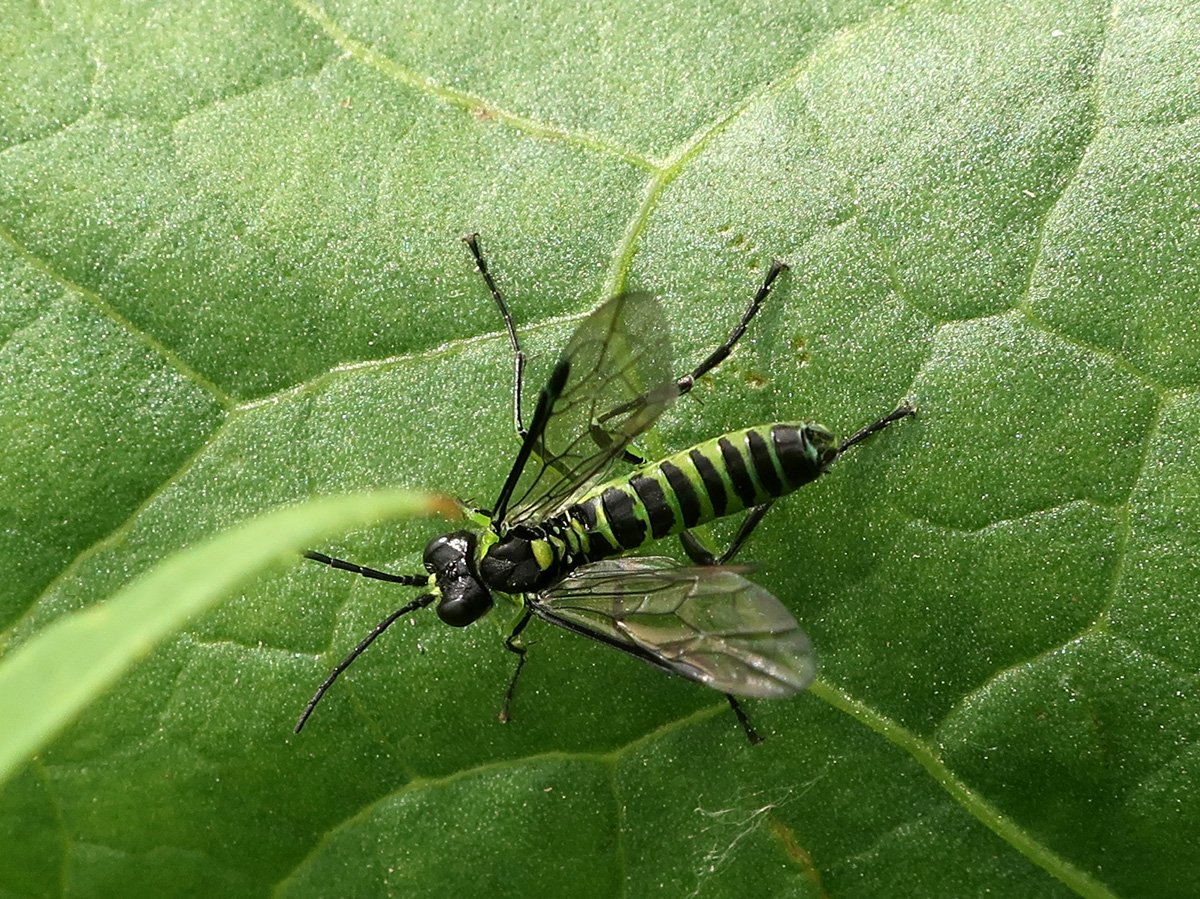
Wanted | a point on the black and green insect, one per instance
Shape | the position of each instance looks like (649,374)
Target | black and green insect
(555,538)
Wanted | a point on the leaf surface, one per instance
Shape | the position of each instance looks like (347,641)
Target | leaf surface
(230,279)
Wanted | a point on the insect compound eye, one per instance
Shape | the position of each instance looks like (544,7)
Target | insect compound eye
(463,602)
(447,552)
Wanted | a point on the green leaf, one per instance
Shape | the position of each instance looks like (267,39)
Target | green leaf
(230,279)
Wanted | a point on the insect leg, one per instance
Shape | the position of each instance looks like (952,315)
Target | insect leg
(697,553)
(512,646)
(537,429)
(721,353)
(701,556)
(472,242)
(633,458)
(409,580)
(716,357)
(604,440)
(751,733)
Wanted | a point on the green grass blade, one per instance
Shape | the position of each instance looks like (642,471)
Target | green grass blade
(47,681)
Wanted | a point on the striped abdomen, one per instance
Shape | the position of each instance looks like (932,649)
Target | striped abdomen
(735,471)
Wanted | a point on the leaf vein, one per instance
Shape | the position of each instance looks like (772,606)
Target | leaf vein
(975,804)
(152,343)
(385,65)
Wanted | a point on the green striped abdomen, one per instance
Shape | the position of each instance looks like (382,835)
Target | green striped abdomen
(727,474)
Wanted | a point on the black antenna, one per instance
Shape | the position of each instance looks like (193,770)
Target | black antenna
(419,603)
(408,580)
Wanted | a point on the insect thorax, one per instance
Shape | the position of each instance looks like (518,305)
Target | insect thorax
(527,559)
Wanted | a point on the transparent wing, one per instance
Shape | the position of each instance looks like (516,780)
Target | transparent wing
(619,382)
(707,623)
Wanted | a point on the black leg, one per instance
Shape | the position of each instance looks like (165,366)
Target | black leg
(751,733)
(720,354)
(603,439)
(472,242)
(633,458)
(701,556)
(512,646)
(537,430)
